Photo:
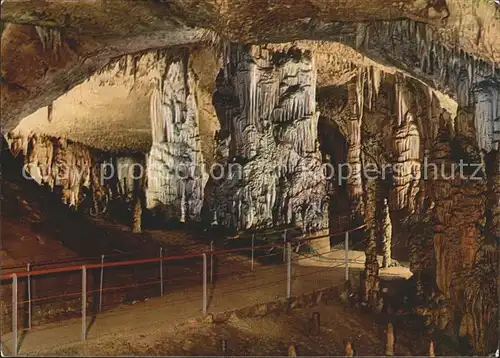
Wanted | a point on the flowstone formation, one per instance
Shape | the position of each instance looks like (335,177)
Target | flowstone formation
(176,171)
(270,173)
(86,179)
(425,201)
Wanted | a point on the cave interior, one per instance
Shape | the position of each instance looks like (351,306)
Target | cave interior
(220,118)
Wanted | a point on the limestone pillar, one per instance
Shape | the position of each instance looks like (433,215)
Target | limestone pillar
(370,279)
(267,146)
(176,172)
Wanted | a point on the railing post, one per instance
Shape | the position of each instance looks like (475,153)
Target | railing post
(101,283)
(284,246)
(28,268)
(14,315)
(289,271)
(212,261)
(253,243)
(204,284)
(84,303)
(346,259)
(161,271)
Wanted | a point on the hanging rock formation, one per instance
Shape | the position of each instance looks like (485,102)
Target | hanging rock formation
(86,179)
(354,179)
(267,145)
(433,210)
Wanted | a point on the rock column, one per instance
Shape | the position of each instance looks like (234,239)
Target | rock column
(267,147)
(370,280)
(175,171)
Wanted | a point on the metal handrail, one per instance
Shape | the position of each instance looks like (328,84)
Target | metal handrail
(158,259)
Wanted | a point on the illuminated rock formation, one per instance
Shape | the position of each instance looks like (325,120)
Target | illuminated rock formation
(176,171)
(85,178)
(267,144)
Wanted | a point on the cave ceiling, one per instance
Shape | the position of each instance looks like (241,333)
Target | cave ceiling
(49,47)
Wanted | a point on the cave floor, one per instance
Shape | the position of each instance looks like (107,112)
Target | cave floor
(260,336)
(230,290)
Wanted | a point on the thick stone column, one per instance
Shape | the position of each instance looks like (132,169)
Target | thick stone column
(406,150)
(175,171)
(267,145)
(370,280)
(492,162)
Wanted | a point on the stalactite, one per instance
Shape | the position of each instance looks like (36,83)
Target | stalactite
(50,38)
(487,115)
(370,86)
(443,202)
(360,92)
(353,131)
(362,35)
(377,79)
(78,172)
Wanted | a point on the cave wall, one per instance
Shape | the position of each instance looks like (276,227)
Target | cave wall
(86,179)
(443,218)
(265,102)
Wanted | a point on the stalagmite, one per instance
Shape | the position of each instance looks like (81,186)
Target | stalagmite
(136,225)
(389,347)
(349,352)
(386,236)
(370,282)
(431,349)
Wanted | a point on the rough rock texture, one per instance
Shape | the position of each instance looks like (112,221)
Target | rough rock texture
(176,169)
(438,215)
(109,110)
(370,277)
(267,145)
(56,163)
(48,76)
(85,178)
(93,33)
